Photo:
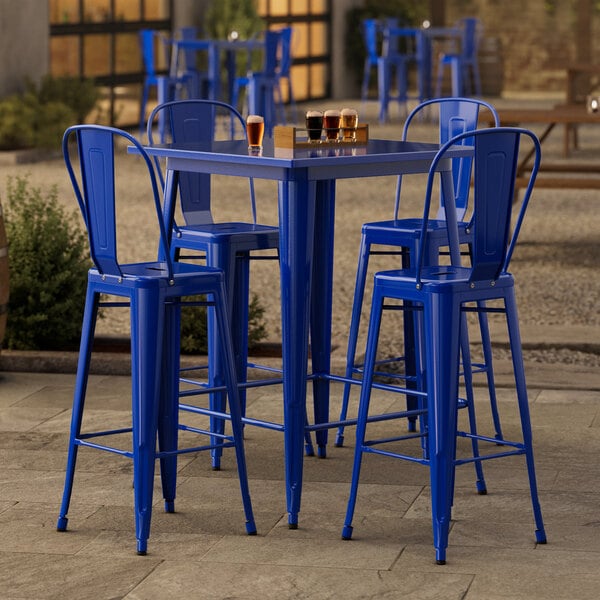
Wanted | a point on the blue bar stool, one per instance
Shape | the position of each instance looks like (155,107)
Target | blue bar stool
(154,292)
(401,49)
(463,63)
(167,87)
(370,31)
(455,115)
(229,246)
(437,298)
(261,86)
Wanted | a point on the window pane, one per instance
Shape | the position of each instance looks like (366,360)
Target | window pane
(318,39)
(64,11)
(279,8)
(126,10)
(64,55)
(319,7)
(299,7)
(300,79)
(300,40)
(128,53)
(96,50)
(155,9)
(261,7)
(97,11)
(318,77)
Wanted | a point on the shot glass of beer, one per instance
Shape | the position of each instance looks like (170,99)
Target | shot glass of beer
(349,123)
(255,130)
(314,125)
(331,124)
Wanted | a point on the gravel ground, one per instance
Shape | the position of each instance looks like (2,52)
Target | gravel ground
(556,263)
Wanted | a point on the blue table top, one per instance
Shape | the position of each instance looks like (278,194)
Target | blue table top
(236,151)
(325,161)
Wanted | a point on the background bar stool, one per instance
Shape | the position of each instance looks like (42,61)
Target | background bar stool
(401,49)
(438,296)
(370,29)
(167,87)
(455,115)
(464,64)
(262,86)
(153,291)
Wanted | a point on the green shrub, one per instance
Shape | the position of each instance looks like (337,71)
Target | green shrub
(16,124)
(27,123)
(80,95)
(48,270)
(38,117)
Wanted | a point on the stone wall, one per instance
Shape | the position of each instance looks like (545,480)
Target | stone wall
(23,43)
(533,43)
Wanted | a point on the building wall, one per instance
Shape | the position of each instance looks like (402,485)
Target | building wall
(529,47)
(524,50)
(23,43)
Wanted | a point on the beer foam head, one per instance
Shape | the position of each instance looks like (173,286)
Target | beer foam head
(332,113)
(349,111)
(254,119)
(314,113)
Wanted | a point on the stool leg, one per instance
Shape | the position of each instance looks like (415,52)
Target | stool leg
(519,371)
(147,323)
(363,409)
(486,344)
(223,257)
(168,420)
(468,377)
(83,367)
(383,85)
(442,339)
(227,356)
(359,292)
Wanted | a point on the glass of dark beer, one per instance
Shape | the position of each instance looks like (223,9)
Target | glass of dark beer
(314,125)
(331,123)
(255,130)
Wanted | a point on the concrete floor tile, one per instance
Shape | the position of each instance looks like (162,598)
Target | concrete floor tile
(267,582)
(43,577)
(16,388)
(18,418)
(534,587)
(293,551)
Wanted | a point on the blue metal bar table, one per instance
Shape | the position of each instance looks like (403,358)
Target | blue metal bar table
(306,189)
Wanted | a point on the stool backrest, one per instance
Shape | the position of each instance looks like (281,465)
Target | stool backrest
(495,162)
(148,38)
(95,191)
(370,35)
(198,122)
(471,35)
(285,57)
(455,115)
(273,41)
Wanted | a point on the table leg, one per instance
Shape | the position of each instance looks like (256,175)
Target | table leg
(296,224)
(321,301)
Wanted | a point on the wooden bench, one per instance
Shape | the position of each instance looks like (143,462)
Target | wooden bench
(560,114)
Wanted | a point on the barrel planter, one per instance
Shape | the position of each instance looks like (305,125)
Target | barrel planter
(3,278)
